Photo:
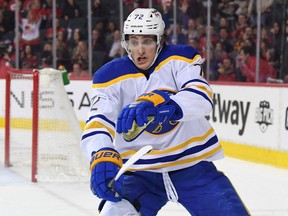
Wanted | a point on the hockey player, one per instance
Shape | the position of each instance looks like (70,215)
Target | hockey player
(160,88)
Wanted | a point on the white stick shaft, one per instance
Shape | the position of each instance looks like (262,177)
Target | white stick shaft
(133,159)
(130,162)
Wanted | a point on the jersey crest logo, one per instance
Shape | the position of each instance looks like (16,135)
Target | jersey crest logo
(156,128)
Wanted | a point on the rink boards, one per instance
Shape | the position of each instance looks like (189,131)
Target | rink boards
(251,120)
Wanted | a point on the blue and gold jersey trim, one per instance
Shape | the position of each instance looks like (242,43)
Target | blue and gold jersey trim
(189,152)
(123,68)
(99,124)
(189,160)
(118,79)
(128,154)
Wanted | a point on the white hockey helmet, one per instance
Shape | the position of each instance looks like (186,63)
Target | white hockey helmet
(143,21)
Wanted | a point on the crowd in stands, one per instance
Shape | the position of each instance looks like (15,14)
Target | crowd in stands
(233,34)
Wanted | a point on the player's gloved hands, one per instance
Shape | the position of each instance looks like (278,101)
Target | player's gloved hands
(104,166)
(156,103)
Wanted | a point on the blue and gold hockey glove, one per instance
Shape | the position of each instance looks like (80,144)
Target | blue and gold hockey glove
(156,104)
(104,166)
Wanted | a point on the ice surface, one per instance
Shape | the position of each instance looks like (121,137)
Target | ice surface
(264,189)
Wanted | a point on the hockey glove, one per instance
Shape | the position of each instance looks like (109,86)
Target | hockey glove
(104,166)
(156,103)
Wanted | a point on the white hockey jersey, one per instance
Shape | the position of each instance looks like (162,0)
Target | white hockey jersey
(176,145)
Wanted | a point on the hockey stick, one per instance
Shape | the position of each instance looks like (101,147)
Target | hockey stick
(130,162)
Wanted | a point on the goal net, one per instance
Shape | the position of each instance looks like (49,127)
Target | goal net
(42,132)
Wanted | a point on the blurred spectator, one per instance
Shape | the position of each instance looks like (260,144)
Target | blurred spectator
(265,50)
(166,10)
(4,66)
(245,39)
(47,13)
(249,42)
(80,54)
(61,35)
(109,33)
(130,5)
(36,7)
(196,9)
(7,22)
(113,8)
(46,56)
(265,11)
(98,9)
(248,32)
(227,9)
(223,23)
(98,43)
(11,5)
(238,17)
(191,31)
(99,25)
(219,51)
(211,72)
(116,50)
(78,72)
(71,10)
(242,7)
(3,26)
(63,55)
(194,42)
(265,35)
(240,26)
(49,31)
(26,4)
(30,31)
(202,37)
(284,68)
(213,37)
(179,38)
(183,13)
(246,63)
(3,5)
(7,59)
(28,60)
(226,71)
(276,45)
(225,39)
(286,78)
(74,40)
(217,56)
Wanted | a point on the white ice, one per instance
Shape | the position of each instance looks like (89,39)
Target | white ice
(264,189)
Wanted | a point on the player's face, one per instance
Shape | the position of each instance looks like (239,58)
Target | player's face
(143,50)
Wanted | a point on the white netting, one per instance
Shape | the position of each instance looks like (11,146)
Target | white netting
(59,131)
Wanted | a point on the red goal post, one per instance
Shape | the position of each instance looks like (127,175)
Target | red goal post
(42,131)
(34,77)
